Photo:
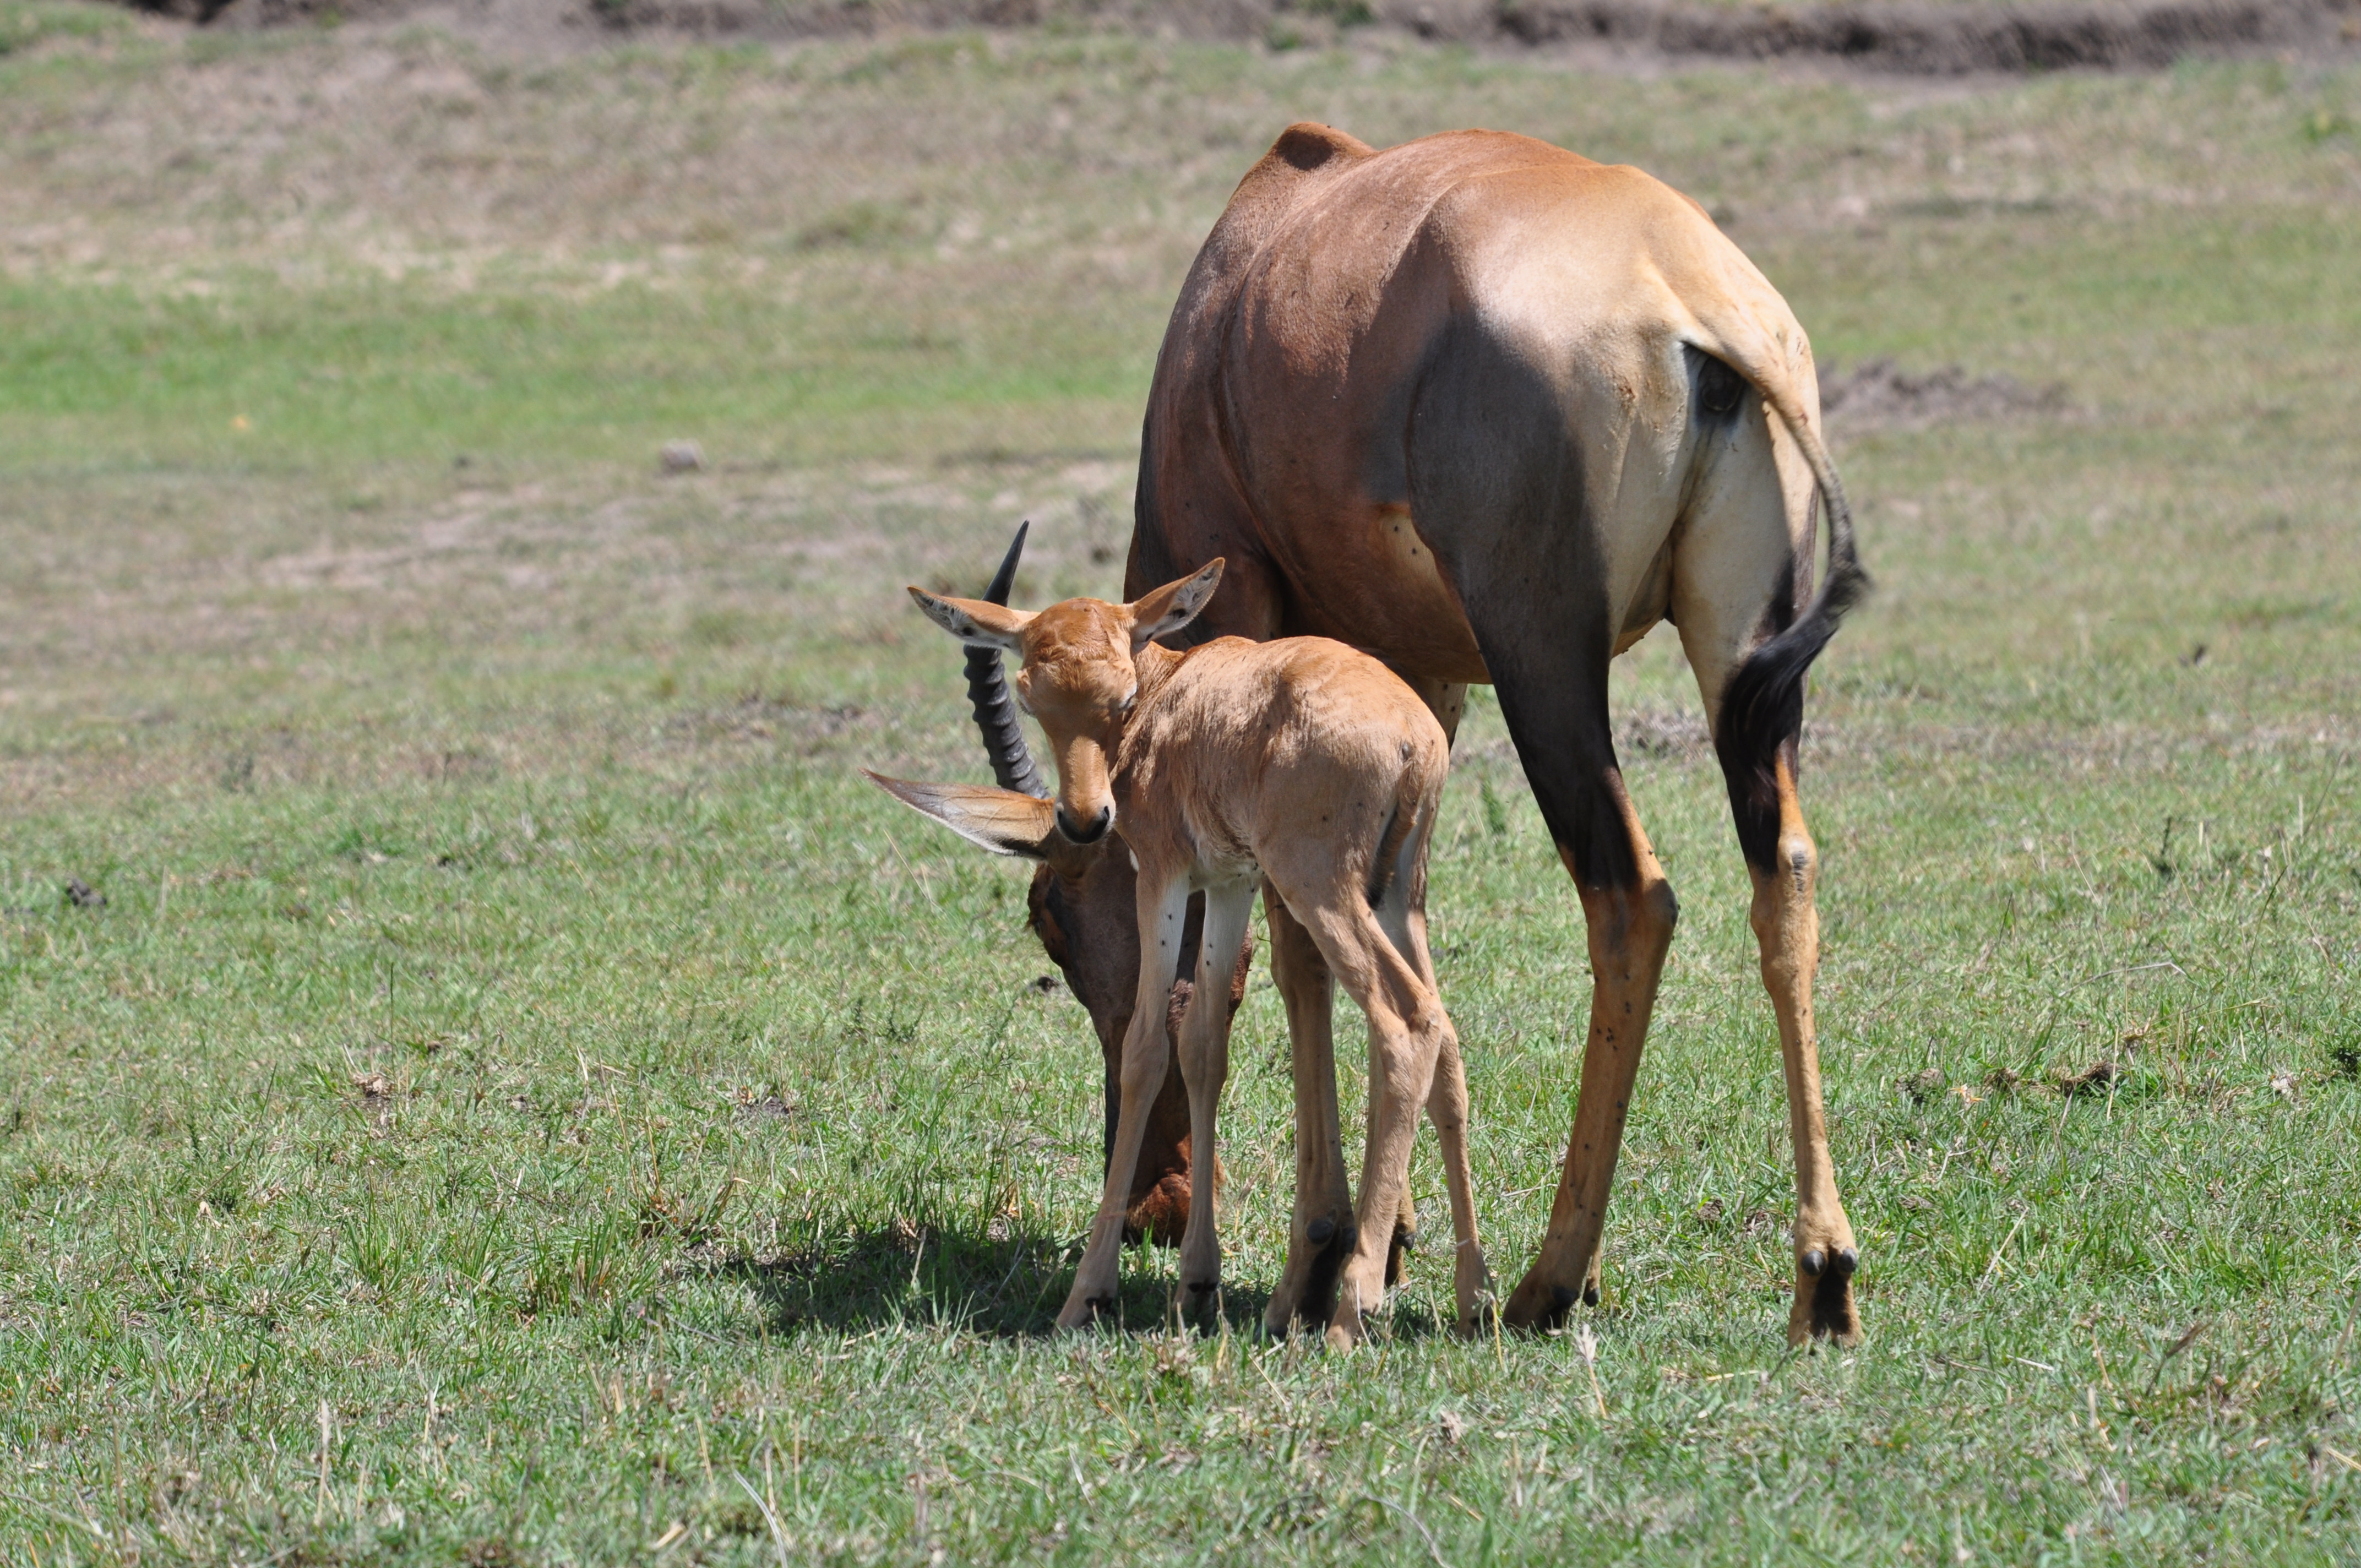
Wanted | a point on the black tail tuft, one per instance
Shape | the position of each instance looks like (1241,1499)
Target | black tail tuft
(1763,706)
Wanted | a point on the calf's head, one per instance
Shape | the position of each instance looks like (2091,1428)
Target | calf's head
(1081,904)
(1080,677)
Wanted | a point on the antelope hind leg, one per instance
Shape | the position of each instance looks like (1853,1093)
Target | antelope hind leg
(1446,1104)
(1787,927)
(1322,1232)
(1407,1031)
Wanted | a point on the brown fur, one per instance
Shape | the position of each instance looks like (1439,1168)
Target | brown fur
(1491,411)
(1100,964)
(1300,765)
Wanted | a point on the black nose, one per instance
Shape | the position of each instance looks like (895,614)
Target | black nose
(1092,834)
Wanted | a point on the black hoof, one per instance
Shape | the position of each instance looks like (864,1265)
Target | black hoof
(1318,1231)
(1200,1287)
(1590,1295)
(1562,1296)
(1812,1263)
(1832,1309)
(1406,1240)
(1848,1260)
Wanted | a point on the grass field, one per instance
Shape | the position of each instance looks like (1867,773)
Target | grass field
(523,1099)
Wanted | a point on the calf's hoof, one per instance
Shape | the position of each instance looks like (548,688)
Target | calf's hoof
(1331,1242)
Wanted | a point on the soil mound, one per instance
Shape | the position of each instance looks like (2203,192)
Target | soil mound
(1880,394)
(1914,36)
(1936,39)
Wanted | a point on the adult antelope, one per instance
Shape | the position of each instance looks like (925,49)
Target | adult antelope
(1490,410)
(1299,765)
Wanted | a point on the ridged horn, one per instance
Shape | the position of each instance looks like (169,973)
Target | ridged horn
(987,692)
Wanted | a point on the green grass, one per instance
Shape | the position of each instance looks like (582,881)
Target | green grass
(26,23)
(521,1090)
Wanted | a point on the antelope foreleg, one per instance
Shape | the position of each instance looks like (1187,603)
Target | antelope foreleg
(1205,1067)
(1163,905)
(1631,931)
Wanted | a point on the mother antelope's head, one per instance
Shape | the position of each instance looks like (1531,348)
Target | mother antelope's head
(1079,676)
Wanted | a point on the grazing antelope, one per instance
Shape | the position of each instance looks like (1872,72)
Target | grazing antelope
(1300,765)
(1491,411)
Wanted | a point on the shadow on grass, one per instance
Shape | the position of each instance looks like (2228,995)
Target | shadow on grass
(1007,1285)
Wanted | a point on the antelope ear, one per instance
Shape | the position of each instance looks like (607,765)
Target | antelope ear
(1000,821)
(975,623)
(1173,606)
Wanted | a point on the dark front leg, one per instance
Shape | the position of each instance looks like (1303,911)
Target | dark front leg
(1556,701)
(1631,931)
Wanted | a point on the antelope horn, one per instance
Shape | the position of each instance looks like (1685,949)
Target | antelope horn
(987,691)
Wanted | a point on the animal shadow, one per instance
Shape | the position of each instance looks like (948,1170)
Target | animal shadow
(981,1280)
(1005,1284)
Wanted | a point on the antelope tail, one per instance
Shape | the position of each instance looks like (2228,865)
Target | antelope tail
(1764,702)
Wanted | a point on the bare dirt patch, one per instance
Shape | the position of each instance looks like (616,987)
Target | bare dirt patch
(1942,39)
(1914,36)
(1880,394)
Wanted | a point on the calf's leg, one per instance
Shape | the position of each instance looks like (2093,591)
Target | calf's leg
(1407,1031)
(1402,914)
(1322,1232)
(1163,905)
(1205,1067)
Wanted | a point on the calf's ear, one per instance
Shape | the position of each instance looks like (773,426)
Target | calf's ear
(1173,606)
(1000,821)
(977,622)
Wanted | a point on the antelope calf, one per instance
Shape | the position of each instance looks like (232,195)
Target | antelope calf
(1300,765)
